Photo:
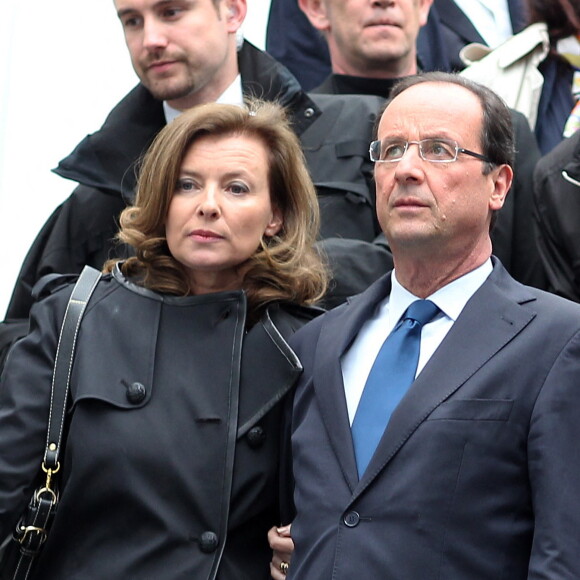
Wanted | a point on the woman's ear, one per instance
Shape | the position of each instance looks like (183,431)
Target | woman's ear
(275,224)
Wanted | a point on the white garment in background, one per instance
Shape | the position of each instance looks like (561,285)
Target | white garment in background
(491,18)
(511,70)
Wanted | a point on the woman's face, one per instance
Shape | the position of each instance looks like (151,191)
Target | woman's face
(220,210)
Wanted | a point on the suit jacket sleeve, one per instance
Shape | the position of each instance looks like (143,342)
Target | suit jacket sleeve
(554,460)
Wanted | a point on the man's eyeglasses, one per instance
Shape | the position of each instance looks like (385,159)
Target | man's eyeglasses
(433,150)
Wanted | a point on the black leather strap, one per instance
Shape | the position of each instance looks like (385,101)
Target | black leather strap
(33,527)
(64,361)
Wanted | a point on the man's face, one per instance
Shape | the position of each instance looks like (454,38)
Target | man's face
(373,38)
(183,51)
(437,207)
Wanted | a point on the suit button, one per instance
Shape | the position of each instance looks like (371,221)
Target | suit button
(136,393)
(351,519)
(208,542)
(256,437)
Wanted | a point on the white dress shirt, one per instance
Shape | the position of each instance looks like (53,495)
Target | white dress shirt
(233,95)
(491,18)
(358,360)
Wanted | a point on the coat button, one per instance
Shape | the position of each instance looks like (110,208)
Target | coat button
(309,112)
(136,393)
(208,542)
(351,519)
(256,437)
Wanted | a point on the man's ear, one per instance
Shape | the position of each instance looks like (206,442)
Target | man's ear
(424,7)
(502,181)
(316,12)
(235,13)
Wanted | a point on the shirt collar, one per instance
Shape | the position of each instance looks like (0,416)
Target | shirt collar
(233,95)
(451,299)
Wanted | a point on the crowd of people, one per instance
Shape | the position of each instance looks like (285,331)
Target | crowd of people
(258,390)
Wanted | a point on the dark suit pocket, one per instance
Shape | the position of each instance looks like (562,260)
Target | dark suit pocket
(473,410)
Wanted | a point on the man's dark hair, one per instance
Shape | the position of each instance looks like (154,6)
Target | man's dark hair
(497,139)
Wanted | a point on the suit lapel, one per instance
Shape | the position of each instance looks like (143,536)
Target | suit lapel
(340,328)
(455,19)
(495,310)
(517,15)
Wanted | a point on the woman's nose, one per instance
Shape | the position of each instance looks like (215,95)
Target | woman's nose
(208,202)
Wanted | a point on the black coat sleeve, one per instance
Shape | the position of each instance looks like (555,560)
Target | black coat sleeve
(557,204)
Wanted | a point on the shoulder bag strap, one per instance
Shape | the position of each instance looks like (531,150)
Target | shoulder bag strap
(81,293)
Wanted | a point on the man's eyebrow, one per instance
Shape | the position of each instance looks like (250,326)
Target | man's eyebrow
(124,11)
(161,3)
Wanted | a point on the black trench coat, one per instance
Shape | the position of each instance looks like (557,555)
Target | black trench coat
(173,434)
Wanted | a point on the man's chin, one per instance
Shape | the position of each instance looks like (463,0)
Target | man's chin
(167,91)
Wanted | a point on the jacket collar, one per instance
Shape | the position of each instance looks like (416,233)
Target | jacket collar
(337,84)
(454,18)
(107,159)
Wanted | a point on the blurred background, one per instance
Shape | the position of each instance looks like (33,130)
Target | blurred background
(63,67)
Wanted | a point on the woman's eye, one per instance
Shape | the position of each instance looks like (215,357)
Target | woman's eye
(185,185)
(238,188)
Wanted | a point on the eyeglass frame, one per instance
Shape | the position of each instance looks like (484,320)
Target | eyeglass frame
(458,150)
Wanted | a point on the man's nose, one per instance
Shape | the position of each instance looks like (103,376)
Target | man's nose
(154,36)
(411,165)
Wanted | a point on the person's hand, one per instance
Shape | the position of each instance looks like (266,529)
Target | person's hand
(282,548)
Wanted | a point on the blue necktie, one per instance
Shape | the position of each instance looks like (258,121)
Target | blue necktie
(391,375)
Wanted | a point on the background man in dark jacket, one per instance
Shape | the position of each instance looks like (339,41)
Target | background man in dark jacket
(557,200)
(185,56)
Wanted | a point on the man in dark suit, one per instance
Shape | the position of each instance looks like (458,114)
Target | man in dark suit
(476,475)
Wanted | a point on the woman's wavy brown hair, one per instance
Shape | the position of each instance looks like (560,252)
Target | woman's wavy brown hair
(285,267)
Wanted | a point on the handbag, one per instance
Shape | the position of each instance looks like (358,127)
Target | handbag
(20,552)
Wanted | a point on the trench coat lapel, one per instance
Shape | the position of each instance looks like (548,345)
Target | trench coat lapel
(269,369)
(495,311)
(336,335)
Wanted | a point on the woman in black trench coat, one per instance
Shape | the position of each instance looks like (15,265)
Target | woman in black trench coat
(182,364)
